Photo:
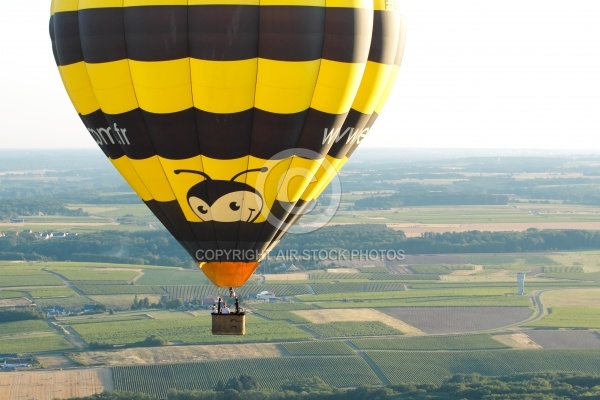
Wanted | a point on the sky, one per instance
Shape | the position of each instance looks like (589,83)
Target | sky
(515,74)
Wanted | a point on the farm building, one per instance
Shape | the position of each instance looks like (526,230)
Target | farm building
(16,362)
(265,295)
(208,301)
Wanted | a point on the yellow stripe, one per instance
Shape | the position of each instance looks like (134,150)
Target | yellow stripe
(223,87)
(137,3)
(162,87)
(383,5)
(285,87)
(350,3)
(127,171)
(318,3)
(388,89)
(372,87)
(337,86)
(113,86)
(77,82)
(65,5)
(86,4)
(323,176)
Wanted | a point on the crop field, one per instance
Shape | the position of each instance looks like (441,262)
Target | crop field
(365,315)
(74,302)
(49,385)
(565,339)
(183,328)
(429,343)
(172,276)
(588,260)
(434,367)
(282,316)
(589,297)
(122,302)
(10,294)
(101,289)
(351,328)
(96,274)
(62,291)
(33,343)
(441,320)
(321,348)
(570,317)
(28,278)
(190,292)
(176,354)
(19,327)
(270,373)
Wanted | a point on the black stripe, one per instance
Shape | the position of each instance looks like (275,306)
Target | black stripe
(224,136)
(347,34)
(102,34)
(173,135)
(369,124)
(157,33)
(355,123)
(318,125)
(53,39)
(223,32)
(101,131)
(291,33)
(386,32)
(66,37)
(273,133)
(133,134)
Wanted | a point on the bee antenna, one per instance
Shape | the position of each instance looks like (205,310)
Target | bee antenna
(191,171)
(263,169)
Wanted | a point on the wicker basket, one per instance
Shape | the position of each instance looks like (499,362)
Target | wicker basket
(229,324)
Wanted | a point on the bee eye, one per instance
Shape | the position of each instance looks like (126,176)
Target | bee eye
(234,206)
(202,210)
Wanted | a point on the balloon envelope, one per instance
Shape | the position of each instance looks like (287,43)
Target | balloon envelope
(228,118)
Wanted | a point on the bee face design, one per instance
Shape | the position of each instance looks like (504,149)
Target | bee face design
(224,201)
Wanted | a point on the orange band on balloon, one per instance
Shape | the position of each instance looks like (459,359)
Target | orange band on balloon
(228,273)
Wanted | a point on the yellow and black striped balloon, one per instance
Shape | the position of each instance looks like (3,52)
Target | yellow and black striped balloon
(204,106)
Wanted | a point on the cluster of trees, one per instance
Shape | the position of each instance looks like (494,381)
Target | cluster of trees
(141,304)
(19,314)
(380,237)
(159,248)
(141,248)
(11,208)
(532,386)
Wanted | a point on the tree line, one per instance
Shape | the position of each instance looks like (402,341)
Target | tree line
(159,247)
(532,386)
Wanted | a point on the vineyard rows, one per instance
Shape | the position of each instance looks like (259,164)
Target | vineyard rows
(434,367)
(270,373)
(454,342)
(323,348)
(102,289)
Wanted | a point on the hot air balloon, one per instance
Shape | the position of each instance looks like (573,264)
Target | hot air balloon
(227,117)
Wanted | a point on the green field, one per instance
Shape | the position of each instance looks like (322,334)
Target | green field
(570,317)
(434,367)
(321,348)
(19,327)
(181,327)
(348,329)
(269,373)
(455,342)
(34,344)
